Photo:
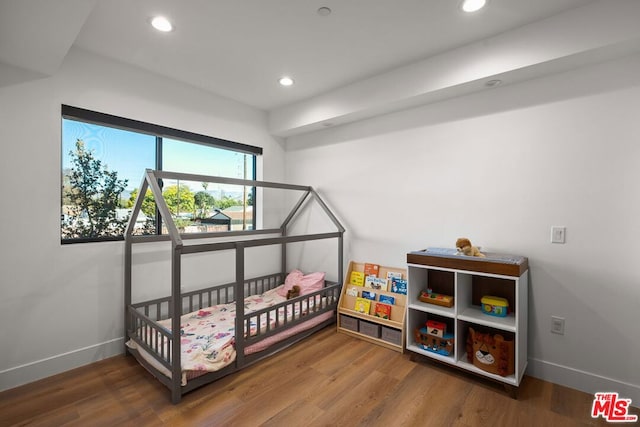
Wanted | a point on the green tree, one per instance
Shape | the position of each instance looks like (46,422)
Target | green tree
(226,201)
(93,194)
(148,204)
(179,199)
(66,187)
(204,202)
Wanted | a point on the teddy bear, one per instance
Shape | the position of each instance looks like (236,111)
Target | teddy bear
(464,247)
(293,292)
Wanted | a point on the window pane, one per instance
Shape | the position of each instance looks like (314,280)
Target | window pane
(206,207)
(101,170)
(103,161)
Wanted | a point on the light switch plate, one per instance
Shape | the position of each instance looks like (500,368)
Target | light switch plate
(558,234)
(557,325)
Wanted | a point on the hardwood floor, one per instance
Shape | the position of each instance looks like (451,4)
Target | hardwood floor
(328,380)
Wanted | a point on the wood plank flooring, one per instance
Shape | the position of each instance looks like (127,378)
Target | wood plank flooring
(329,379)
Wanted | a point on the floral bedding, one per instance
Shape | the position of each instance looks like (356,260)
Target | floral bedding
(207,336)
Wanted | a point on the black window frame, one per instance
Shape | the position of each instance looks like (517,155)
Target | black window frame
(160,132)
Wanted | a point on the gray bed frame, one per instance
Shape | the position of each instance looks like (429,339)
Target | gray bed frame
(141,317)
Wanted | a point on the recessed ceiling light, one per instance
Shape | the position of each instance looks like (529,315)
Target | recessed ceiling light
(285,81)
(493,83)
(473,5)
(324,11)
(161,23)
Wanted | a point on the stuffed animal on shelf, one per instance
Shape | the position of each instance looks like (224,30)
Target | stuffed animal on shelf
(464,247)
(293,292)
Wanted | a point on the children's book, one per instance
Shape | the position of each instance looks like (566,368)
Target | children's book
(375,283)
(392,274)
(399,286)
(357,278)
(352,291)
(363,305)
(386,299)
(369,295)
(382,310)
(371,269)
(368,281)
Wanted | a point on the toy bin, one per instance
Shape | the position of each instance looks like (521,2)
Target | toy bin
(349,323)
(368,328)
(491,351)
(494,306)
(391,335)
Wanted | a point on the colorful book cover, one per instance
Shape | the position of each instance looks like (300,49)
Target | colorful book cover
(392,274)
(399,286)
(368,281)
(357,278)
(371,269)
(382,310)
(375,283)
(369,295)
(363,305)
(386,299)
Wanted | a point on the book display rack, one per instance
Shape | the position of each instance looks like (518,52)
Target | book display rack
(373,304)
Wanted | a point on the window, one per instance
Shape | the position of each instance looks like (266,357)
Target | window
(103,161)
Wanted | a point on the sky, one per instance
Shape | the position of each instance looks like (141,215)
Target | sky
(130,153)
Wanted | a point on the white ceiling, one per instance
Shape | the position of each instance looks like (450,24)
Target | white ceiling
(239,48)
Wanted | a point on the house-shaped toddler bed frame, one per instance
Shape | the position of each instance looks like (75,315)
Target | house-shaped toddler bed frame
(153,328)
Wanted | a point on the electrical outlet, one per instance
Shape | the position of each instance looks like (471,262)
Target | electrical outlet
(558,234)
(557,325)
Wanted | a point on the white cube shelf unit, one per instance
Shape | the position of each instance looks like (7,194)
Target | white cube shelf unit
(468,279)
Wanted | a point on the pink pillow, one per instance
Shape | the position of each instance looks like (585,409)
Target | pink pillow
(310,283)
(293,278)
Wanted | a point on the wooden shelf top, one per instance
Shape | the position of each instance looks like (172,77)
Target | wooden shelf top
(502,264)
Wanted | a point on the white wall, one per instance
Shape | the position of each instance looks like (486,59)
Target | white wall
(501,167)
(62,306)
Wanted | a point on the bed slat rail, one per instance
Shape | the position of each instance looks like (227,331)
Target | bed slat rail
(260,285)
(158,309)
(286,314)
(156,340)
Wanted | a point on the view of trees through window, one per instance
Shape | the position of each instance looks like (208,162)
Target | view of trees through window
(103,167)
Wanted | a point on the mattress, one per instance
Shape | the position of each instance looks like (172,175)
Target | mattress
(207,336)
